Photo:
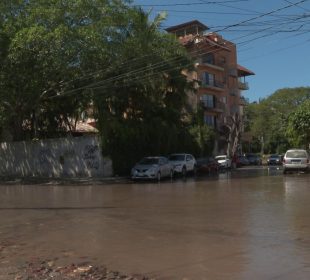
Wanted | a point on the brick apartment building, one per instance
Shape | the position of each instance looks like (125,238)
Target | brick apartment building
(220,78)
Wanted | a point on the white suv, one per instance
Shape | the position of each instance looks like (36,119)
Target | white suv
(296,159)
(183,163)
(224,161)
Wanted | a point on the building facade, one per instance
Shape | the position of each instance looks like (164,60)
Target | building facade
(220,79)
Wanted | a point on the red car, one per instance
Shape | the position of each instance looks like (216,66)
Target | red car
(207,165)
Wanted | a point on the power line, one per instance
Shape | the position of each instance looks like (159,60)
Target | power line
(303,8)
(227,27)
(134,72)
(130,74)
(262,15)
(190,4)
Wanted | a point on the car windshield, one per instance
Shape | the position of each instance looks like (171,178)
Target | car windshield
(149,161)
(221,157)
(274,156)
(296,154)
(177,157)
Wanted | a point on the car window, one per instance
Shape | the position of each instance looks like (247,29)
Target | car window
(149,161)
(296,154)
(189,157)
(221,157)
(177,157)
(274,156)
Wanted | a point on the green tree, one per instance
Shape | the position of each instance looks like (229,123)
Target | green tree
(61,56)
(141,105)
(267,121)
(299,126)
(49,48)
(203,134)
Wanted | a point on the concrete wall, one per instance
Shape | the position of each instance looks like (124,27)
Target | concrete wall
(63,157)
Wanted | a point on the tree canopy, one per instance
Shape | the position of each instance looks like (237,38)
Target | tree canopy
(268,120)
(59,58)
(48,48)
(299,125)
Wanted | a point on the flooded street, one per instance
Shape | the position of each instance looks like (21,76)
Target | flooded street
(251,224)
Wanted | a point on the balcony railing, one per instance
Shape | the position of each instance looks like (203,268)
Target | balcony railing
(243,85)
(216,84)
(218,107)
(213,64)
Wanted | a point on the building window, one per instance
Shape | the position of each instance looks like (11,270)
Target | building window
(224,99)
(234,109)
(208,79)
(208,58)
(210,120)
(208,100)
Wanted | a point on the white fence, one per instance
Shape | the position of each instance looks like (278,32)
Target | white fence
(63,157)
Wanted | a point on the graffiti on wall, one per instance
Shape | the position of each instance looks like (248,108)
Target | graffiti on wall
(91,156)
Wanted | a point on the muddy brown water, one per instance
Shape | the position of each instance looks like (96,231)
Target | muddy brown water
(251,224)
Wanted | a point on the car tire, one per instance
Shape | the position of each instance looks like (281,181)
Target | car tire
(184,171)
(284,171)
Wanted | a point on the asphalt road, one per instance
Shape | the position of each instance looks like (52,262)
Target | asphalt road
(252,223)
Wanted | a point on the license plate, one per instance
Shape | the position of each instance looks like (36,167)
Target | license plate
(296,161)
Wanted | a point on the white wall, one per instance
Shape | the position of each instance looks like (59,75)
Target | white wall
(62,157)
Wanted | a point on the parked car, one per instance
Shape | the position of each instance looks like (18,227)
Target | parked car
(183,163)
(242,161)
(207,165)
(152,168)
(274,160)
(254,159)
(296,159)
(224,161)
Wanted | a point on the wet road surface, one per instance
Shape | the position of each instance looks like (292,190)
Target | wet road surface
(248,224)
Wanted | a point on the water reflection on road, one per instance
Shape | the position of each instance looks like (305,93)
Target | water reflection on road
(246,224)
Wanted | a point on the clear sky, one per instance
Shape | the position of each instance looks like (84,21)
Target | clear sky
(272,36)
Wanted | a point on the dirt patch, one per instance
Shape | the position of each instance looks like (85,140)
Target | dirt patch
(44,270)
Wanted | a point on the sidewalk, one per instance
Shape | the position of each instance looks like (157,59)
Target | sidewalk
(8,180)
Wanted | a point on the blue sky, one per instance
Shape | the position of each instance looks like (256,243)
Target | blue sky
(272,37)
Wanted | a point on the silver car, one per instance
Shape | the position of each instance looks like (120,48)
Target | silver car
(296,159)
(152,168)
(183,163)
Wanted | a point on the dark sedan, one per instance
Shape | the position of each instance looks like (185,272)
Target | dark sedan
(274,160)
(241,161)
(254,159)
(207,165)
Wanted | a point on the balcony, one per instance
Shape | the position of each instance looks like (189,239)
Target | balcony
(217,107)
(243,101)
(211,64)
(243,85)
(217,85)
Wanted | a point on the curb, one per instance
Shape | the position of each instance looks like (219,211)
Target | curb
(6,180)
